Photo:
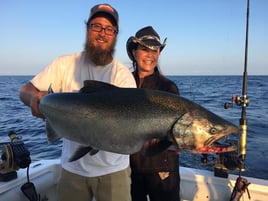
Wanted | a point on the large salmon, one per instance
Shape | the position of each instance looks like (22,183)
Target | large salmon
(121,120)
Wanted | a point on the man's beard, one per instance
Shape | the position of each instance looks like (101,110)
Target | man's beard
(98,55)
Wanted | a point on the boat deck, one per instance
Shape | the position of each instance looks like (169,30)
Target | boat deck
(196,185)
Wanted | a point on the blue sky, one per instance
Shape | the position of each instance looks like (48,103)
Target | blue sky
(205,37)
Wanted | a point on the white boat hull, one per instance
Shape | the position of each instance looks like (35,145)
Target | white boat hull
(196,185)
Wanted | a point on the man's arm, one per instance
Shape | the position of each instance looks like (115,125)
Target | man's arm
(31,97)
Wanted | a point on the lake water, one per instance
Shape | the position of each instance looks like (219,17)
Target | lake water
(209,91)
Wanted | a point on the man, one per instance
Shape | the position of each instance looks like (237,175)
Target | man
(105,175)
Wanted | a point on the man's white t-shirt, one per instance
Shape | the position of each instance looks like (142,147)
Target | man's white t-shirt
(67,74)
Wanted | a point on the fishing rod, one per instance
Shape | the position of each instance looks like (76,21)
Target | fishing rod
(236,160)
(242,184)
(243,100)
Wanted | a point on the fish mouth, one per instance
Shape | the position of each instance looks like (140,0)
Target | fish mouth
(221,145)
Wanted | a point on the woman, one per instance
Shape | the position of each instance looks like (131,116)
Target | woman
(156,176)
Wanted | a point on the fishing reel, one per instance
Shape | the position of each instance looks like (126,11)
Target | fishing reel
(238,100)
(14,156)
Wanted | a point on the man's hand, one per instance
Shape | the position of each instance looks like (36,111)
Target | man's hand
(34,105)
(31,97)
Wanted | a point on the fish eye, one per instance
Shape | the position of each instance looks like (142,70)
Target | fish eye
(213,130)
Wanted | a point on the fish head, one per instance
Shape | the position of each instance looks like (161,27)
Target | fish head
(200,132)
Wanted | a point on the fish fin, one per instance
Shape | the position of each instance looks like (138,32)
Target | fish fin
(82,151)
(93,85)
(52,136)
(156,148)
